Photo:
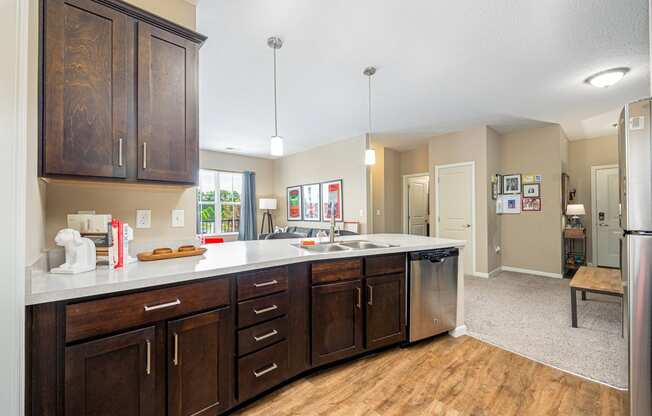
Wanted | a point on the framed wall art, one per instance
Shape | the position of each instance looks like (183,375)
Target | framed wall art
(311,203)
(531,204)
(511,204)
(511,184)
(294,203)
(331,200)
(531,190)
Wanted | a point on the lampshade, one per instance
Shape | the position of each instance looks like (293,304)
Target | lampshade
(369,157)
(267,203)
(575,209)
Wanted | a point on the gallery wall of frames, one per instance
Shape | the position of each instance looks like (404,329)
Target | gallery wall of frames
(516,193)
(315,201)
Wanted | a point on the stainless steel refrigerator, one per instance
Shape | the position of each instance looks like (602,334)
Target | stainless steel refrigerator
(635,165)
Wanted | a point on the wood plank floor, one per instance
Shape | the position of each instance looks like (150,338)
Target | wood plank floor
(446,376)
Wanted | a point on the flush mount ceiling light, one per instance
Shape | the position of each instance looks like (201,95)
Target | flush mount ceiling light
(276,141)
(369,153)
(607,78)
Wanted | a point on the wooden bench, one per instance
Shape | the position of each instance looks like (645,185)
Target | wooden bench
(595,280)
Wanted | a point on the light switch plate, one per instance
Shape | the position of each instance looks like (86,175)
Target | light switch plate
(143,218)
(178,218)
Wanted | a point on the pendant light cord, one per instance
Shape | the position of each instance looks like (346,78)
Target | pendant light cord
(275,100)
(369,105)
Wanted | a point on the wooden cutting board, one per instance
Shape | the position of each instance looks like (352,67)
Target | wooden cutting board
(168,253)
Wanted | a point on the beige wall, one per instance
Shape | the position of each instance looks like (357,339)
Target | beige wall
(340,160)
(393,192)
(377,178)
(47,205)
(494,221)
(181,12)
(465,146)
(414,161)
(582,154)
(532,240)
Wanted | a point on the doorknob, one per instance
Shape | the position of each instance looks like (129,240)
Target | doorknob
(468,225)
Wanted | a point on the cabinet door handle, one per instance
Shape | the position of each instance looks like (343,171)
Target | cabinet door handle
(145,155)
(270,283)
(148,368)
(175,358)
(264,310)
(162,305)
(267,335)
(359,291)
(265,371)
(120,151)
(371,295)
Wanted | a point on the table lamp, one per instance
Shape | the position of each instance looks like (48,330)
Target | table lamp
(575,211)
(267,204)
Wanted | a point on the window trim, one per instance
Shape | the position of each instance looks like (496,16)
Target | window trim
(217,204)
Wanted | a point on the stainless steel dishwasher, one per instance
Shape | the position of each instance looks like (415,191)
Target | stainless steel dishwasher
(433,292)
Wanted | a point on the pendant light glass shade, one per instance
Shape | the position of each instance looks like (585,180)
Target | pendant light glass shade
(369,157)
(276,146)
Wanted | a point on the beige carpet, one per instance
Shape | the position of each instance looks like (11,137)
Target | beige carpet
(530,315)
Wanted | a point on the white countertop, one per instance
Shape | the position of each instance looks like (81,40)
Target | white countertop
(219,259)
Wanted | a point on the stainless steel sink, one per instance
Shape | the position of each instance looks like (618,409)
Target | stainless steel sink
(363,245)
(343,246)
(325,248)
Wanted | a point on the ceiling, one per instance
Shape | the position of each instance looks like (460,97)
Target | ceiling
(442,66)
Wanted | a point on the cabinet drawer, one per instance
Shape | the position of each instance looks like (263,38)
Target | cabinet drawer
(262,309)
(264,282)
(262,370)
(388,264)
(336,270)
(262,335)
(102,316)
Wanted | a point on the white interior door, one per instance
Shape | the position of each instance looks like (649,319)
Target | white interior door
(418,205)
(455,207)
(606,226)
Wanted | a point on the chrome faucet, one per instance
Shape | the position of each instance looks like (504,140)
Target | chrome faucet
(331,234)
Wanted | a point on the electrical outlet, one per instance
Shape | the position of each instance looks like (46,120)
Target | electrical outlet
(178,218)
(143,218)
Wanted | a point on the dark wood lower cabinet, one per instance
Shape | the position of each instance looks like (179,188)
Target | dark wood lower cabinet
(112,376)
(337,321)
(385,310)
(199,380)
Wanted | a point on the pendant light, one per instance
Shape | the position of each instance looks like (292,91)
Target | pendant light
(369,153)
(276,141)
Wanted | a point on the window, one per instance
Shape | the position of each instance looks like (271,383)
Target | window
(218,202)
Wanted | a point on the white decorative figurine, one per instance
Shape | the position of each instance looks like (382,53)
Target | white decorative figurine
(80,252)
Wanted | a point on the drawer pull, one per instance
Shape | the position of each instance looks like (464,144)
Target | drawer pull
(175,359)
(371,296)
(162,305)
(265,310)
(359,292)
(148,369)
(267,335)
(265,371)
(270,283)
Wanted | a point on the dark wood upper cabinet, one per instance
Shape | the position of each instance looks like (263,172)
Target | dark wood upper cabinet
(85,89)
(112,376)
(337,322)
(167,106)
(199,364)
(119,93)
(385,310)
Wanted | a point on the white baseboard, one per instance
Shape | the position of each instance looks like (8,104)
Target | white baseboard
(492,273)
(532,272)
(458,332)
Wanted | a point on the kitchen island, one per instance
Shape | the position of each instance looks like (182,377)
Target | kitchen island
(204,335)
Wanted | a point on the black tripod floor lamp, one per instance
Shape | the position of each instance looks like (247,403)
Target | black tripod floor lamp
(268,204)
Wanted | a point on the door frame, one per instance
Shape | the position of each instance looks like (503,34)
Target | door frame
(594,217)
(404,212)
(473,219)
